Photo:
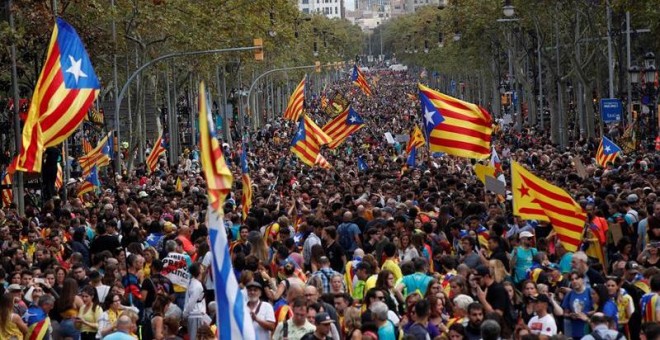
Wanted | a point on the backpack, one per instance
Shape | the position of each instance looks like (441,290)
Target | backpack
(345,240)
(597,336)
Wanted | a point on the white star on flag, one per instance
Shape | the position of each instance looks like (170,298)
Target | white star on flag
(352,119)
(607,148)
(428,115)
(76,69)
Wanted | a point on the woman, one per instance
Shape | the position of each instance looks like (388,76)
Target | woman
(393,297)
(500,272)
(515,298)
(437,316)
(337,284)
(289,270)
(406,250)
(15,278)
(527,308)
(157,322)
(88,314)
(650,257)
(352,323)
(457,286)
(457,332)
(433,288)
(624,302)
(12,326)
(67,307)
(603,303)
(112,312)
(150,254)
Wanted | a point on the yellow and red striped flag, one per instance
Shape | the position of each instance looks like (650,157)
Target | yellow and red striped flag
(455,127)
(59,178)
(534,198)
(295,106)
(342,126)
(178,187)
(607,152)
(246,199)
(7,194)
(307,141)
(322,162)
(416,140)
(66,89)
(218,176)
(86,145)
(99,156)
(360,80)
(156,152)
(91,182)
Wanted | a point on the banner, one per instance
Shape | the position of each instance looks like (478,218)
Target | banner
(337,105)
(175,268)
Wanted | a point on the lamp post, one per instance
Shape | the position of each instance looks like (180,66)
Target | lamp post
(650,97)
(509,12)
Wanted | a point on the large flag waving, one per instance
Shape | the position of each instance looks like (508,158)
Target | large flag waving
(91,182)
(308,139)
(233,320)
(295,106)
(99,156)
(342,126)
(607,152)
(246,199)
(322,162)
(534,198)
(455,127)
(360,80)
(416,140)
(156,151)
(66,88)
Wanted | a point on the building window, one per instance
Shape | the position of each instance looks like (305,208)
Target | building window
(305,10)
(305,2)
(336,10)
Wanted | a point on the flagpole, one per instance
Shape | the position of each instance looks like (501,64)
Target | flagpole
(18,178)
(115,93)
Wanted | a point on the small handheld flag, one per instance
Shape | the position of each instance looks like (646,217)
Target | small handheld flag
(360,80)
(342,126)
(362,165)
(156,152)
(607,152)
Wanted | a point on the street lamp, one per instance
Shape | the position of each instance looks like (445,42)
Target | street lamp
(508,9)
(271,32)
(634,74)
(649,59)
(457,36)
(649,74)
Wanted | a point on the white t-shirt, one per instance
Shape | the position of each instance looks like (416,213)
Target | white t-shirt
(543,326)
(206,262)
(267,313)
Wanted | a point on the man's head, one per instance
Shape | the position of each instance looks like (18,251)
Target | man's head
(124,324)
(484,276)
(311,294)
(379,311)
(363,270)
(576,280)
(579,262)
(323,324)
(541,304)
(46,302)
(254,291)
(490,330)
(422,310)
(341,302)
(299,307)
(475,314)
(468,243)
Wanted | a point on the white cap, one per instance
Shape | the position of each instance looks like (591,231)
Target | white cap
(525,234)
(143,194)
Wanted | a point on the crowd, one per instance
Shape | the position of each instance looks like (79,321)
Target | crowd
(423,253)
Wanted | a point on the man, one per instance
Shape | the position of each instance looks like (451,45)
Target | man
(80,275)
(580,264)
(543,323)
(103,241)
(651,302)
(342,301)
(416,281)
(296,327)
(577,304)
(385,327)
(175,268)
(419,329)
(475,318)
(313,239)
(333,251)
(133,289)
(390,263)
(490,330)
(522,257)
(195,304)
(600,329)
(323,327)
(349,234)
(37,318)
(325,273)
(492,295)
(565,258)
(262,313)
(470,256)
(124,327)
(312,297)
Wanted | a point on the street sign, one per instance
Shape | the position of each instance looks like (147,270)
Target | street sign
(610,110)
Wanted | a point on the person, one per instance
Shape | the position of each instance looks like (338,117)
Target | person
(263,316)
(580,263)
(352,323)
(457,332)
(475,313)
(349,235)
(492,295)
(385,327)
(158,326)
(66,309)
(390,263)
(604,303)
(599,323)
(37,320)
(543,323)
(195,305)
(124,329)
(522,257)
(490,330)
(419,328)
(650,302)
(88,314)
(11,324)
(576,304)
(325,273)
(418,281)
(323,324)
(297,326)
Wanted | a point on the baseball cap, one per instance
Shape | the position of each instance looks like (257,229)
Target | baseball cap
(632,198)
(540,298)
(324,318)
(253,284)
(525,234)
(633,266)
(143,194)
(482,270)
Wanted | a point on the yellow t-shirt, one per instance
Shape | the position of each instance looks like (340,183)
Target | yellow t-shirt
(370,283)
(90,315)
(392,266)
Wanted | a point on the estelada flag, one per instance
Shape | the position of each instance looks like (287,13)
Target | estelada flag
(534,198)
(295,106)
(455,127)
(66,89)
(342,126)
(416,140)
(307,140)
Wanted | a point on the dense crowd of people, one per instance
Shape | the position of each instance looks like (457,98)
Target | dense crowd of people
(419,253)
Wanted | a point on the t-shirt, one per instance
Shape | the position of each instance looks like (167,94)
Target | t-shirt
(498,298)
(118,336)
(472,260)
(565,263)
(347,232)
(543,326)
(394,268)
(294,332)
(575,303)
(386,332)
(524,260)
(264,311)
(419,332)
(416,281)
(335,252)
(208,264)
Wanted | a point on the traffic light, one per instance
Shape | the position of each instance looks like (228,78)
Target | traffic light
(317,67)
(259,52)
